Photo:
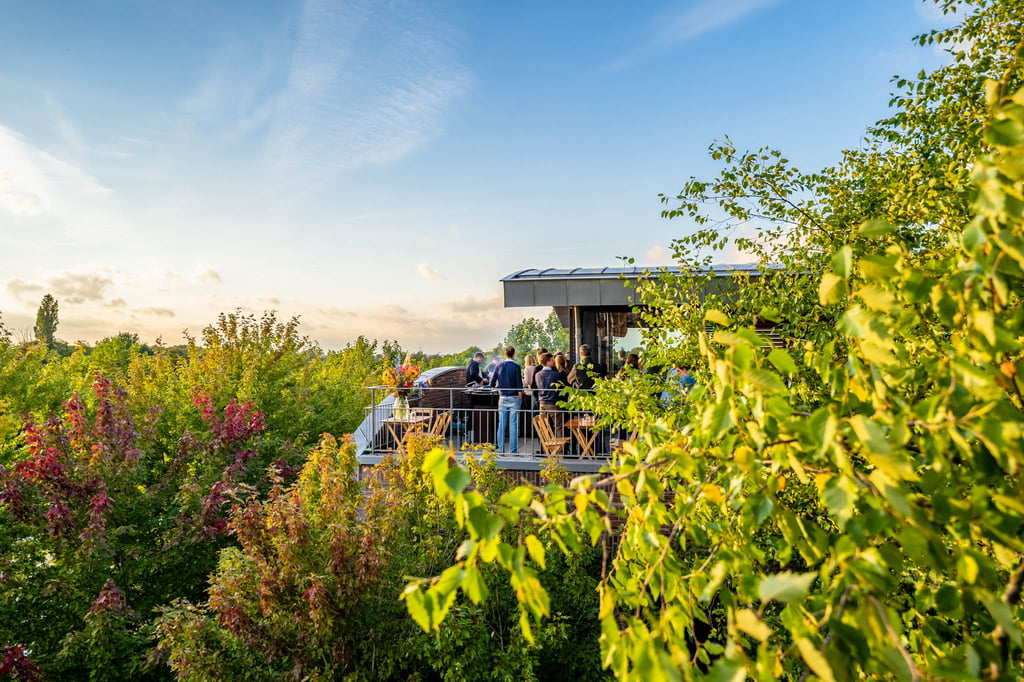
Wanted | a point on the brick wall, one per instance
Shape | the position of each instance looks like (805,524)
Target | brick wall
(454,378)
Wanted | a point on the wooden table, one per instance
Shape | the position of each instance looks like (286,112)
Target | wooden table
(585,433)
(400,427)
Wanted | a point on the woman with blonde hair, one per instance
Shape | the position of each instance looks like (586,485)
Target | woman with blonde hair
(529,371)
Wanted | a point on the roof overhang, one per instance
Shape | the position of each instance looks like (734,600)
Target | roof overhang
(598,287)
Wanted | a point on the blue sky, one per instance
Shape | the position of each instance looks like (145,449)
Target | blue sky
(377,167)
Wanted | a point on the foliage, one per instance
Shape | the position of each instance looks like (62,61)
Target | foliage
(98,529)
(16,664)
(337,395)
(460,359)
(46,321)
(311,590)
(553,471)
(132,479)
(533,333)
(846,506)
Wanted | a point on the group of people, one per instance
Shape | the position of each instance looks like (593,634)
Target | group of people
(539,386)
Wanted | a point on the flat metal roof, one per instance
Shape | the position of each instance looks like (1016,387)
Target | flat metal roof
(619,272)
(601,287)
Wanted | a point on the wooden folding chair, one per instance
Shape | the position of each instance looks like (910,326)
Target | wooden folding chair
(440,426)
(549,442)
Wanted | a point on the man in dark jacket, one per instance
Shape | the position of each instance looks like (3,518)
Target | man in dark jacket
(586,370)
(473,375)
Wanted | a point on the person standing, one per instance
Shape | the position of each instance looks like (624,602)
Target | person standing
(489,371)
(583,374)
(549,383)
(529,371)
(630,366)
(561,367)
(508,379)
(680,382)
(473,375)
(622,359)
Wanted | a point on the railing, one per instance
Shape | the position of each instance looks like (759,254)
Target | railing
(467,417)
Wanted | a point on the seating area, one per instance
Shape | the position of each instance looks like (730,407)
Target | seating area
(466,418)
(564,434)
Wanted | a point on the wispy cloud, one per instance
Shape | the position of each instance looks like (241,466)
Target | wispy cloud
(427,272)
(234,97)
(471,305)
(932,11)
(52,193)
(368,83)
(209,276)
(444,327)
(658,255)
(695,19)
(78,287)
(70,134)
(154,311)
(24,291)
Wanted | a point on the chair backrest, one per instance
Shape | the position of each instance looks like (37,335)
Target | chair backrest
(440,426)
(543,428)
(551,444)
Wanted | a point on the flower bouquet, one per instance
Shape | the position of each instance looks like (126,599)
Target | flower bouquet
(400,378)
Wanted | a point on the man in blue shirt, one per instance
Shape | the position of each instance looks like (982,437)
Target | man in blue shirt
(508,379)
(680,381)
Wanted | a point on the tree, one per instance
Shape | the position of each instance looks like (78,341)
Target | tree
(46,320)
(98,527)
(533,333)
(556,337)
(132,478)
(847,506)
(310,591)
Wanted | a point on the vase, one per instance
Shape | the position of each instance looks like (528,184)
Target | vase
(401,409)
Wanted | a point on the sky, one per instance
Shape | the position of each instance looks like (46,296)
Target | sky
(376,168)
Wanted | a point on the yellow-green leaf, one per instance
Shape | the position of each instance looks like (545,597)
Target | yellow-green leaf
(814,659)
(536,549)
(749,622)
(785,587)
(832,289)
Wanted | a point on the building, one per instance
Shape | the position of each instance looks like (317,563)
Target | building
(597,304)
(599,307)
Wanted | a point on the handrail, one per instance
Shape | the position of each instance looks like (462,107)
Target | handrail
(476,419)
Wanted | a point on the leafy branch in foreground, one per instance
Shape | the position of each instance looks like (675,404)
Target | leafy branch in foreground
(874,529)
